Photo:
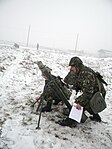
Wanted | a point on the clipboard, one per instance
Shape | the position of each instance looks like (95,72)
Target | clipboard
(76,114)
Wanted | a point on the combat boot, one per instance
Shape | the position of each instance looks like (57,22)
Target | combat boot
(47,108)
(67,122)
(84,117)
(95,117)
(66,111)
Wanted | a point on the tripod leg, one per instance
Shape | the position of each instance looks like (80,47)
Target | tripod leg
(41,105)
(32,106)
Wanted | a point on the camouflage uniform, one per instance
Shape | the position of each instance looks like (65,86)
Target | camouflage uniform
(86,81)
(69,79)
(72,80)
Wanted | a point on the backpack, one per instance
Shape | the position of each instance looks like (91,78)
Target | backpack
(100,77)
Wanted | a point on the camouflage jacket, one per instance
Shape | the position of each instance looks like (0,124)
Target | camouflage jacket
(86,81)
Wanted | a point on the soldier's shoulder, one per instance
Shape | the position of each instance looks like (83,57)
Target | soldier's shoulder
(86,71)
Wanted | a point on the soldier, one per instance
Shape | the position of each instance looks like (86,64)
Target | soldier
(86,81)
(37,46)
(48,91)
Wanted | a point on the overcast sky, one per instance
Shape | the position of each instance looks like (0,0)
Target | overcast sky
(56,23)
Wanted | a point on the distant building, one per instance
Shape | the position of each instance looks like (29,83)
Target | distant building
(104,53)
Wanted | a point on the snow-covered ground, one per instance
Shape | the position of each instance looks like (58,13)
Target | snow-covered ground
(21,82)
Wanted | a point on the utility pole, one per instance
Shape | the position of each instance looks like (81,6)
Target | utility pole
(28,36)
(76,42)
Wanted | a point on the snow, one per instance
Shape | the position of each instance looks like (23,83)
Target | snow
(21,82)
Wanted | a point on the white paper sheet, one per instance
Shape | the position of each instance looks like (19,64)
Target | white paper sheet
(76,114)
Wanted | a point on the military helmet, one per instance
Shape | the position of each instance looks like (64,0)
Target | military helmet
(75,61)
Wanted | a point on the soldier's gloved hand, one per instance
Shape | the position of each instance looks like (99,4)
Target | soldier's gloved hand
(78,106)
